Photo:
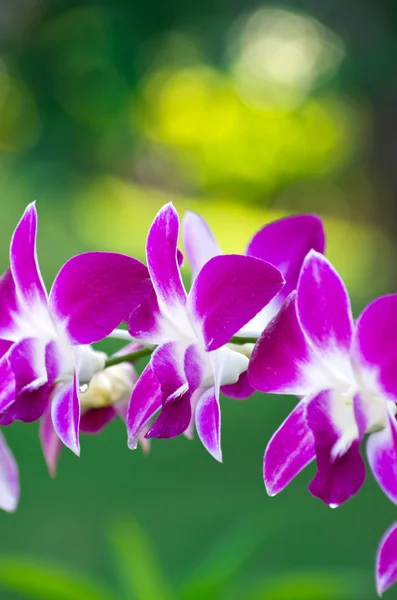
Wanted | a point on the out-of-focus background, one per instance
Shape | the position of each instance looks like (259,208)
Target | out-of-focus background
(243,111)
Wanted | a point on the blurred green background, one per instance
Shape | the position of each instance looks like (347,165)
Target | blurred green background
(244,111)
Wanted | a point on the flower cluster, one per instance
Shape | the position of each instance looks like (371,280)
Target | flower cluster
(276,319)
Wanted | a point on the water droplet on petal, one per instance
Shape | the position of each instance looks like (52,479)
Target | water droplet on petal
(83,388)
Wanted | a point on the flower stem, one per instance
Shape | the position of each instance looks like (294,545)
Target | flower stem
(133,356)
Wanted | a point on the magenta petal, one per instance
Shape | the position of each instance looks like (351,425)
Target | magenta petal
(168,367)
(65,414)
(282,361)
(386,560)
(50,442)
(198,240)
(375,343)
(94,292)
(286,242)
(228,292)
(208,422)
(144,320)
(323,305)
(7,389)
(23,260)
(338,477)
(145,402)
(10,328)
(240,390)
(290,449)
(27,361)
(162,257)
(173,419)
(27,407)
(9,478)
(95,419)
(382,457)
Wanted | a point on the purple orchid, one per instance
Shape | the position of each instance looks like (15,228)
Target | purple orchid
(386,560)
(344,372)
(9,478)
(47,337)
(106,396)
(283,243)
(192,331)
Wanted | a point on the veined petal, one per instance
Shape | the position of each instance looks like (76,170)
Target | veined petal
(95,291)
(382,456)
(23,260)
(286,242)
(290,449)
(282,361)
(50,442)
(323,308)
(65,414)
(208,422)
(340,468)
(145,402)
(9,478)
(386,560)
(228,292)
(198,241)
(374,347)
(162,258)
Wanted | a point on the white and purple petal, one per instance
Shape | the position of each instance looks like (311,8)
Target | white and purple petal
(374,347)
(228,292)
(382,455)
(289,451)
(340,467)
(50,442)
(386,560)
(198,241)
(208,422)
(282,361)
(65,414)
(162,258)
(324,311)
(144,403)
(9,478)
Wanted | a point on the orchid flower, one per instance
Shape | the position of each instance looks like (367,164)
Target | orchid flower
(345,373)
(283,243)
(106,396)
(50,334)
(191,331)
(9,478)
(386,560)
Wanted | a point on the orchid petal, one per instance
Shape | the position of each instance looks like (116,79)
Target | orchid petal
(9,478)
(323,307)
(282,361)
(27,361)
(162,258)
(386,560)
(23,260)
(173,419)
(340,468)
(199,242)
(228,292)
(50,442)
(145,402)
(65,414)
(11,326)
(95,419)
(144,323)
(374,348)
(289,451)
(382,457)
(208,422)
(240,390)
(95,291)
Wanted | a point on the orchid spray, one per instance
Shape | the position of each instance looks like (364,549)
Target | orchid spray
(275,319)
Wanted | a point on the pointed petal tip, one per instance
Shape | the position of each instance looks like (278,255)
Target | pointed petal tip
(132,442)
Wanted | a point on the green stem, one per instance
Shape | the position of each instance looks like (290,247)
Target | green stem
(133,356)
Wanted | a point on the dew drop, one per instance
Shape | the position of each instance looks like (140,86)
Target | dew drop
(83,388)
